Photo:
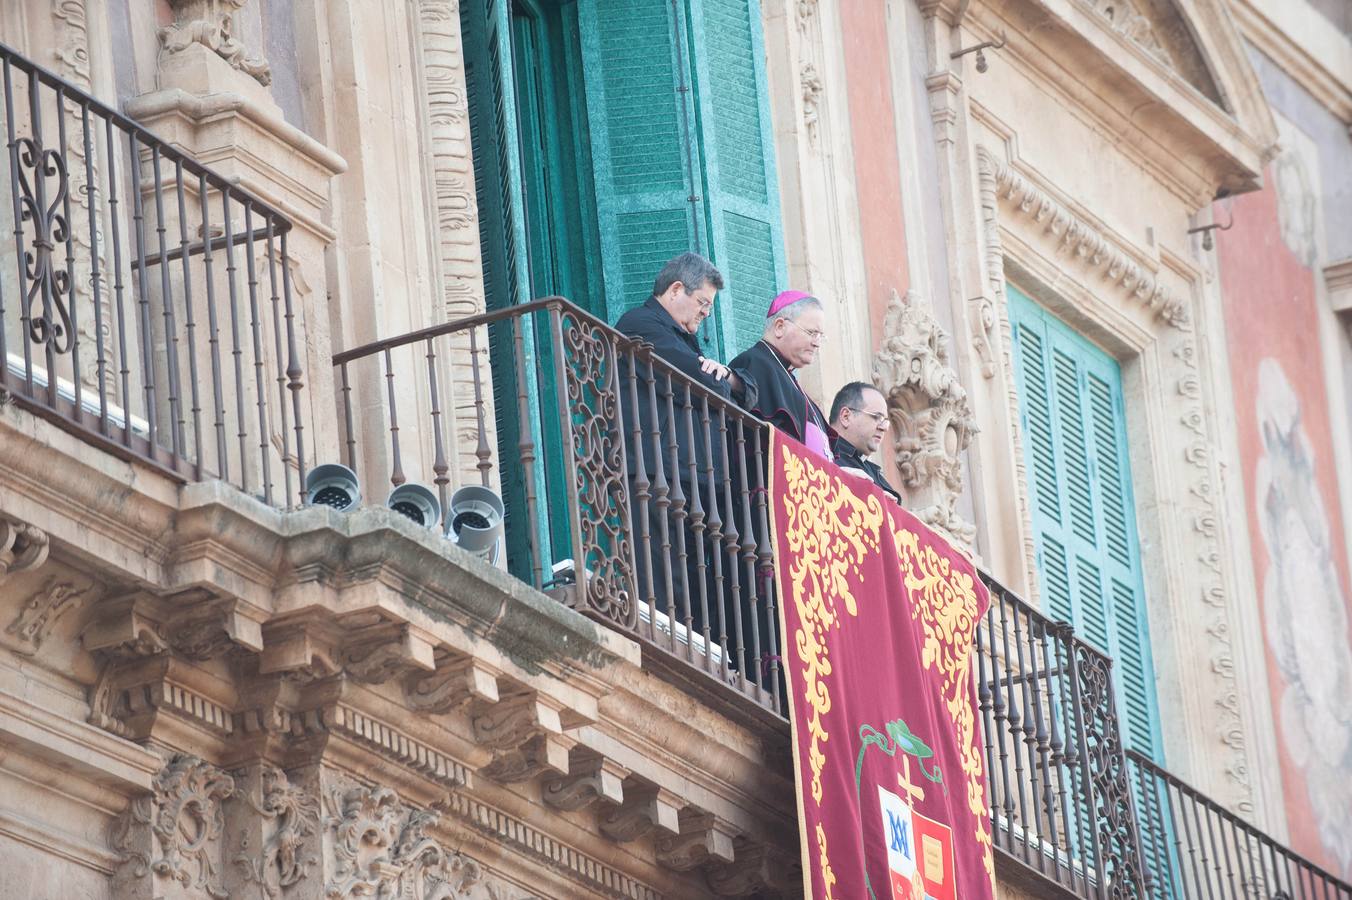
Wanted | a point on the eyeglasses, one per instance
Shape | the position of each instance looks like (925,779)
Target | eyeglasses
(878,418)
(704,304)
(814,335)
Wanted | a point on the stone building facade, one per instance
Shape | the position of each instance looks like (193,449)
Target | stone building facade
(208,689)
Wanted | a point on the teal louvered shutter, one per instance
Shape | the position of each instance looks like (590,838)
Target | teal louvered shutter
(736,137)
(494,138)
(639,115)
(1074,437)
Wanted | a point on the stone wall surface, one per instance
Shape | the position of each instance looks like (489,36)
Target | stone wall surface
(203,696)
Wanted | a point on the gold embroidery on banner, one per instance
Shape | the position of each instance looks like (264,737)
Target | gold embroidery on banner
(945,601)
(829,533)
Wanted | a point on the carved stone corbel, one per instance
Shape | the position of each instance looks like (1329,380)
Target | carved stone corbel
(211,24)
(22,547)
(452,686)
(931,417)
(175,832)
(377,660)
(645,807)
(591,778)
(202,636)
(757,868)
(539,754)
(702,838)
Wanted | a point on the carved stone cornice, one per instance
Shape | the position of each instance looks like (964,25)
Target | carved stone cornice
(387,741)
(1086,243)
(932,419)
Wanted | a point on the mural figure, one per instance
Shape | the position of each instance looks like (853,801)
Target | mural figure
(1306,612)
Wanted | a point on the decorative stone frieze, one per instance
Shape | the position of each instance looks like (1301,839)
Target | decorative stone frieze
(1113,263)
(381,848)
(932,419)
(175,832)
(270,823)
(211,24)
(44,607)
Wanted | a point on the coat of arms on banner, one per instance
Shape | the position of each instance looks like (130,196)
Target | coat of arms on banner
(919,849)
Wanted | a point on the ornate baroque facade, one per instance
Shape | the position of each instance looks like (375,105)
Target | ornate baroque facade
(205,695)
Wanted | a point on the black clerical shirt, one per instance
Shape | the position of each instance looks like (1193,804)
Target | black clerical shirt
(848,456)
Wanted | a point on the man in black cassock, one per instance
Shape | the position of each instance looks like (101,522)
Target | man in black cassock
(673,443)
(794,330)
(859,417)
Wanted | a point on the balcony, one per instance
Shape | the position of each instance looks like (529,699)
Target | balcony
(145,301)
(1075,815)
(146,307)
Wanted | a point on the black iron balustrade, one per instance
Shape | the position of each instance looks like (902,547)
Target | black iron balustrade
(1061,803)
(145,300)
(652,521)
(1197,850)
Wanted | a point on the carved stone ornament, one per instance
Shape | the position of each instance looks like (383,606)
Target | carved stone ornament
(40,612)
(185,818)
(22,547)
(211,23)
(1124,18)
(381,848)
(293,815)
(932,420)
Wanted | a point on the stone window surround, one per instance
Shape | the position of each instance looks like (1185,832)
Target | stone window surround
(1112,292)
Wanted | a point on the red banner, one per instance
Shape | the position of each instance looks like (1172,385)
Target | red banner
(879,614)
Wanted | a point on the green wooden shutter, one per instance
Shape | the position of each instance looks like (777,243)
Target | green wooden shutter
(639,114)
(494,138)
(737,143)
(1074,436)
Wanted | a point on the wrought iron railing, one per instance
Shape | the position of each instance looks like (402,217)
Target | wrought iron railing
(145,300)
(1061,804)
(633,493)
(1197,850)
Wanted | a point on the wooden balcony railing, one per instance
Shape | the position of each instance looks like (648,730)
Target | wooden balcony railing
(145,300)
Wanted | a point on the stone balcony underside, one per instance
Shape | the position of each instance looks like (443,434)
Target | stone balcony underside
(305,699)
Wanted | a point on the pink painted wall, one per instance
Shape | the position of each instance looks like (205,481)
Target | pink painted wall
(1295,526)
(868,63)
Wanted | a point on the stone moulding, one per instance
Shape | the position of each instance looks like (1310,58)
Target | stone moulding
(1006,192)
(1113,263)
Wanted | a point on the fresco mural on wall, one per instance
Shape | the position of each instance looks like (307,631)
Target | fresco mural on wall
(1268,270)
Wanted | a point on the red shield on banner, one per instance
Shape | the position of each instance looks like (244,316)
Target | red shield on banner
(878,614)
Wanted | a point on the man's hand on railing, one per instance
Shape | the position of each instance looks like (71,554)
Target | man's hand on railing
(720,372)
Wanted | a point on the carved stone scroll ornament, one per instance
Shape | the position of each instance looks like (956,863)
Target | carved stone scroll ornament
(932,419)
(22,547)
(381,848)
(211,23)
(292,815)
(175,832)
(40,612)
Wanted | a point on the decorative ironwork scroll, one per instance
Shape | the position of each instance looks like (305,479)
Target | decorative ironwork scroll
(605,569)
(47,281)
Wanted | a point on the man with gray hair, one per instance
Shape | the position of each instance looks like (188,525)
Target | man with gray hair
(669,436)
(794,331)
